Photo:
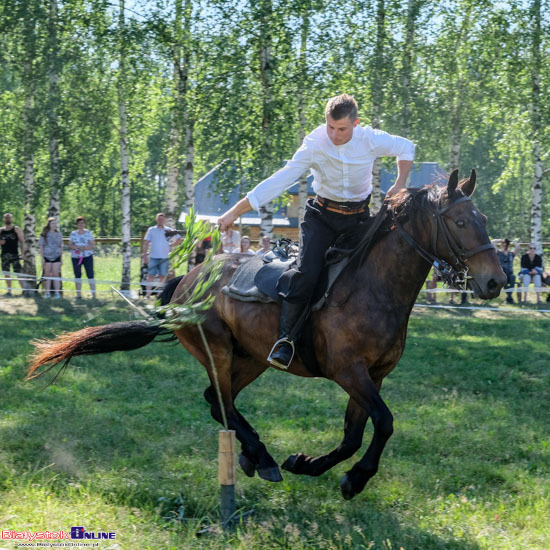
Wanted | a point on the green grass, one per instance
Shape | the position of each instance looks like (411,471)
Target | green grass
(467,466)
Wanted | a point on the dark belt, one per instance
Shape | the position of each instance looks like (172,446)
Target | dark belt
(345,208)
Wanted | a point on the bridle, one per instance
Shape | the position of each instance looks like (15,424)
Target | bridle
(455,274)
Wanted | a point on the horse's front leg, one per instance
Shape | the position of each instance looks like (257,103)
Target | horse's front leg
(358,384)
(354,427)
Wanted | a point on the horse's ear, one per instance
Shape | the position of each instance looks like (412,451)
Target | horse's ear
(468,187)
(453,182)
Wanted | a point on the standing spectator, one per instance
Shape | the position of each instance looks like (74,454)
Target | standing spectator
(506,258)
(201,250)
(82,244)
(531,270)
(159,244)
(231,240)
(265,244)
(11,237)
(51,250)
(245,246)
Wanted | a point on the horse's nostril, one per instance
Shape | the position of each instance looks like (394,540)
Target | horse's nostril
(492,285)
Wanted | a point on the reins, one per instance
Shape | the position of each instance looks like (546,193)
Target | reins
(455,275)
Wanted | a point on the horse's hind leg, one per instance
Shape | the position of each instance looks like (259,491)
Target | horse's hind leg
(254,455)
(354,427)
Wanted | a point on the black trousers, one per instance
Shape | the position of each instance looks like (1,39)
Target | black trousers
(318,232)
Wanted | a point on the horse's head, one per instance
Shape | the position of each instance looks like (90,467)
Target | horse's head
(460,238)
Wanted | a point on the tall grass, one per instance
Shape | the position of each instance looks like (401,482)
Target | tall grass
(124,442)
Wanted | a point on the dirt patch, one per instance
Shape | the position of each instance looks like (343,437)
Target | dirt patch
(17,305)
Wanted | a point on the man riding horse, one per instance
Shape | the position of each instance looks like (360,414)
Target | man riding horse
(340,155)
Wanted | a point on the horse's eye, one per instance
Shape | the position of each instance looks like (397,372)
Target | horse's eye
(460,223)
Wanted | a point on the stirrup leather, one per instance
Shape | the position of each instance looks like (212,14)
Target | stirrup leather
(276,363)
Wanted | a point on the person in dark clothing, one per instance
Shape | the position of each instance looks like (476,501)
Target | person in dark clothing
(531,271)
(506,258)
(11,237)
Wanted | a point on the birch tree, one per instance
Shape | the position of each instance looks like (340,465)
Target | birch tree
(53,102)
(124,151)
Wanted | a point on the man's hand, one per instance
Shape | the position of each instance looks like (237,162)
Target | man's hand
(228,218)
(395,188)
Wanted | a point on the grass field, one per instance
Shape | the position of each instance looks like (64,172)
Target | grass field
(124,442)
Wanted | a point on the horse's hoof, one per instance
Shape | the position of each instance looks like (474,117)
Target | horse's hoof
(270,474)
(347,488)
(248,467)
(290,463)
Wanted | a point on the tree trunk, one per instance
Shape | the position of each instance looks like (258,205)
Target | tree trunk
(53,122)
(378,95)
(189,173)
(302,74)
(124,156)
(412,12)
(29,225)
(536,126)
(265,53)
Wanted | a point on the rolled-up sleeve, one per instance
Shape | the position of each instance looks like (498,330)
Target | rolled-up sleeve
(281,180)
(387,145)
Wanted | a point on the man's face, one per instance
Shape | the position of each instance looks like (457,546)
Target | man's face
(160,220)
(7,219)
(340,131)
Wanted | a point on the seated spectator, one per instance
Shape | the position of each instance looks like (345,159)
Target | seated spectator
(231,240)
(531,271)
(245,246)
(201,250)
(506,258)
(265,244)
(51,250)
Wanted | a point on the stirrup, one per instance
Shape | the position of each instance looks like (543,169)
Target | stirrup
(276,363)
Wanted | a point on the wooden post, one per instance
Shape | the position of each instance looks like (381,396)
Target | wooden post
(227,474)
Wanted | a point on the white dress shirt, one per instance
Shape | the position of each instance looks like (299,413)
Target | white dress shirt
(340,172)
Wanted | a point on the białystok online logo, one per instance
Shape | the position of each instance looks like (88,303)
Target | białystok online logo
(81,533)
(77,533)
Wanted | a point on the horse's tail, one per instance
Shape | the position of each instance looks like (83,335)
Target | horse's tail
(124,336)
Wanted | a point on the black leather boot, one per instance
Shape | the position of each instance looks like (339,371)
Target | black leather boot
(292,319)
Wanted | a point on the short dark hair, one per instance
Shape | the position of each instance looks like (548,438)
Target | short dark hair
(507,242)
(341,106)
(80,219)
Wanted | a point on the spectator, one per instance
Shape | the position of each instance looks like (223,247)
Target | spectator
(51,250)
(11,237)
(265,244)
(245,246)
(432,284)
(506,258)
(531,271)
(201,250)
(231,240)
(82,244)
(156,253)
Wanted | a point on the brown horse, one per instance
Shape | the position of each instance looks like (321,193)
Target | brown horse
(356,340)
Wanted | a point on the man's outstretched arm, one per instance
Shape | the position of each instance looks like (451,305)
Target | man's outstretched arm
(227,219)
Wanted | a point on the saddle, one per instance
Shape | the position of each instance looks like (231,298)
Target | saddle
(256,279)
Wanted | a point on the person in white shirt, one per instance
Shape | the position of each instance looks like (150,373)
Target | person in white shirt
(157,257)
(265,244)
(340,155)
(231,240)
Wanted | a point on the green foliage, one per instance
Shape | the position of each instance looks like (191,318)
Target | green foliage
(471,72)
(198,301)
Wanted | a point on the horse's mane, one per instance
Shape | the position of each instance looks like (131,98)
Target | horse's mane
(402,206)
